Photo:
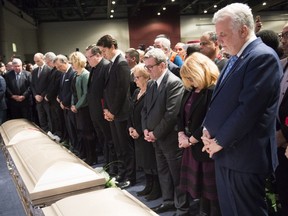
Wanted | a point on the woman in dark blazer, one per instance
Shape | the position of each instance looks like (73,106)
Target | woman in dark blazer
(144,151)
(199,75)
(79,105)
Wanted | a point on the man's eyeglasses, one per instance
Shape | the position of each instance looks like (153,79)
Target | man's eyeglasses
(149,67)
(204,43)
(88,57)
(283,35)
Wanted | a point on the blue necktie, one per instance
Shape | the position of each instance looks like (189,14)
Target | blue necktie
(231,62)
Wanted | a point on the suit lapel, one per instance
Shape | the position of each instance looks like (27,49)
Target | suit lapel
(236,66)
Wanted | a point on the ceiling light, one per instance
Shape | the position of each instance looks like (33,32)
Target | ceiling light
(112,11)
(205,11)
(172,0)
(158,13)
(113,2)
(111,16)
(215,6)
(164,8)
(264,3)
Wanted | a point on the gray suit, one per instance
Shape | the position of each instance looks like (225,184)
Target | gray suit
(159,114)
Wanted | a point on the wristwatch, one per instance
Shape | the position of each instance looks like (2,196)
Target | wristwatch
(189,141)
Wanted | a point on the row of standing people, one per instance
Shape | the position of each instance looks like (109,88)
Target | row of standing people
(232,126)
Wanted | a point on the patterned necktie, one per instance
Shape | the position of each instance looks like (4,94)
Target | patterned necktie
(231,62)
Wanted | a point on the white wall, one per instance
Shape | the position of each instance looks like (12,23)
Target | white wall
(65,37)
(192,27)
(20,31)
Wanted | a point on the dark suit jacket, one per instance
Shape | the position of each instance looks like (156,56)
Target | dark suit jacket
(242,112)
(40,84)
(65,92)
(3,105)
(117,89)
(53,84)
(175,69)
(159,113)
(196,116)
(12,88)
(96,85)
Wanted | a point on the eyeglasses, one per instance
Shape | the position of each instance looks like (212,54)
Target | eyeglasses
(88,57)
(204,43)
(149,67)
(283,35)
(136,77)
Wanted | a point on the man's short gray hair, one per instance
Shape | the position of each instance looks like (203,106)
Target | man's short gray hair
(157,54)
(240,14)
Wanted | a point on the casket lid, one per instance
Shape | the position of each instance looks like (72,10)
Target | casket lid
(16,130)
(48,169)
(108,202)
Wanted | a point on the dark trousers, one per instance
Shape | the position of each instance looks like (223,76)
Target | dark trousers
(103,131)
(282,180)
(168,167)
(240,193)
(44,115)
(124,150)
(86,135)
(70,123)
(57,119)
(19,109)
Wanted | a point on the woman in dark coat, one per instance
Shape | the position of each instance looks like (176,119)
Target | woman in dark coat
(199,75)
(144,151)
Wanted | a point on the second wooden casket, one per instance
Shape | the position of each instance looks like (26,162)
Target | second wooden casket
(44,171)
(108,202)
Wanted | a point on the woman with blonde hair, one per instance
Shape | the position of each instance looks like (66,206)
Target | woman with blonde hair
(79,105)
(199,75)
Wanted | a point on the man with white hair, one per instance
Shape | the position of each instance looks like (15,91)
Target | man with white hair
(18,90)
(239,127)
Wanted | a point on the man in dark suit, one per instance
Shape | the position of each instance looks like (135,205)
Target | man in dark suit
(98,74)
(159,118)
(39,84)
(58,131)
(64,99)
(18,90)
(116,109)
(239,128)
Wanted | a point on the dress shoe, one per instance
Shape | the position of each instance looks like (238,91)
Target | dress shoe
(119,178)
(125,184)
(164,208)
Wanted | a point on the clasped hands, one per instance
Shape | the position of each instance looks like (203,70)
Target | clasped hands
(149,136)
(108,115)
(210,144)
(133,133)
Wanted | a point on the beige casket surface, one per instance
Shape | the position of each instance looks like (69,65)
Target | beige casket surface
(44,171)
(105,202)
(16,130)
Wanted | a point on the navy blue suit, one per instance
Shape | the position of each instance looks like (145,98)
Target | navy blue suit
(241,117)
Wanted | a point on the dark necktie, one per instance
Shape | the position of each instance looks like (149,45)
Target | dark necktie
(231,62)
(39,71)
(154,90)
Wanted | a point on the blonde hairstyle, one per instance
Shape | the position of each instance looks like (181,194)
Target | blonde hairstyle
(199,69)
(78,59)
(140,68)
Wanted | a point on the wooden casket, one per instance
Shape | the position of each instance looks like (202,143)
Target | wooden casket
(44,171)
(106,202)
